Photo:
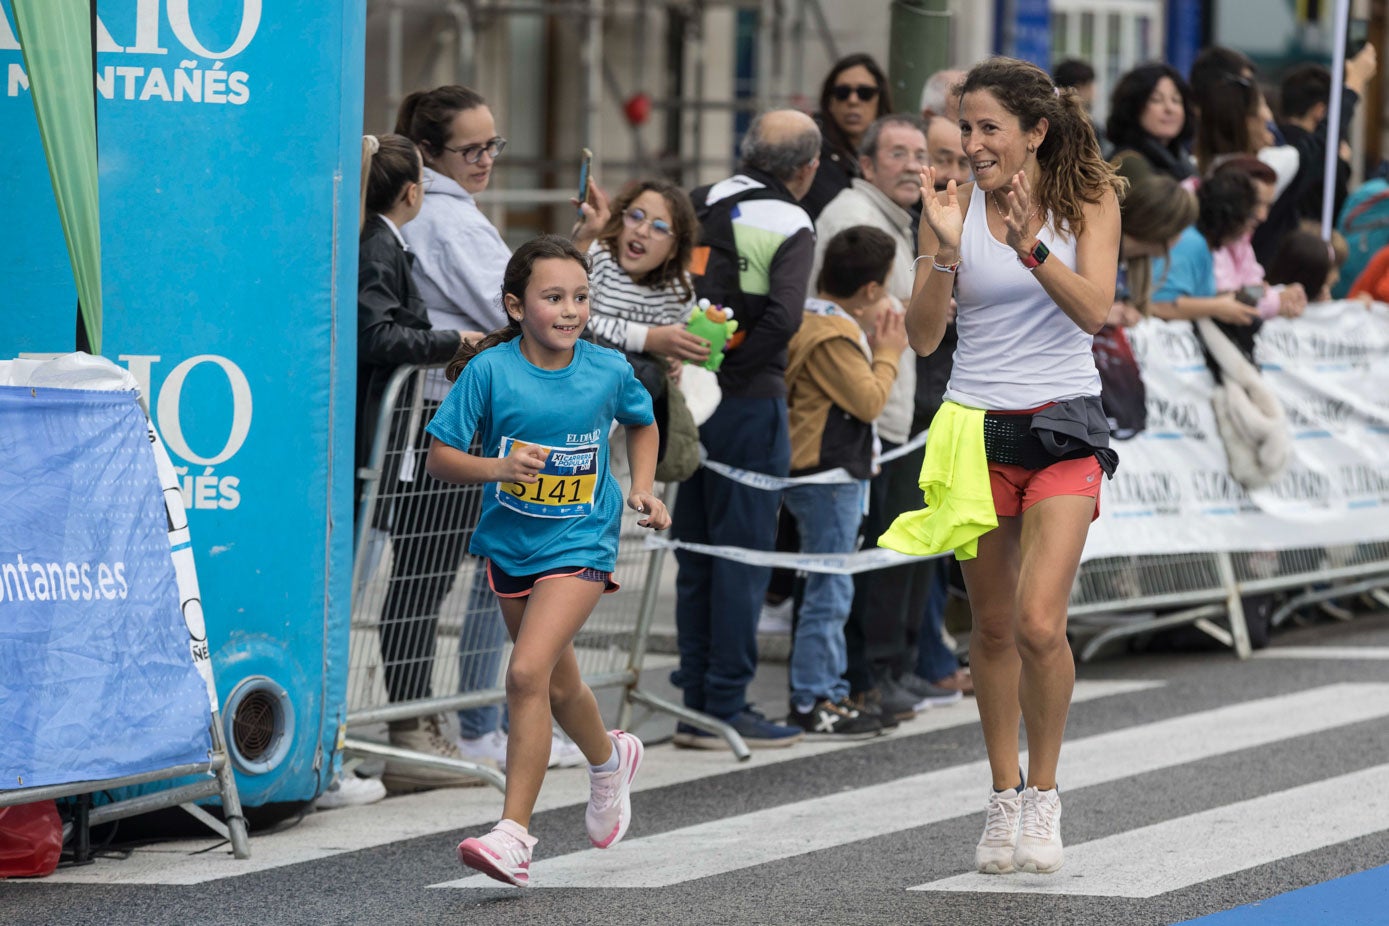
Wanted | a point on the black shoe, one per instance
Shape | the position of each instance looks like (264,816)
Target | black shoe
(838,721)
(871,702)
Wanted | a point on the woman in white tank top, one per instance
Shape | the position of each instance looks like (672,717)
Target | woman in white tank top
(1031,248)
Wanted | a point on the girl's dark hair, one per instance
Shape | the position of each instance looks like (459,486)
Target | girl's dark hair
(672,273)
(1073,172)
(514,282)
(856,256)
(1230,102)
(426,116)
(1227,201)
(1130,98)
(395,165)
(833,133)
(1249,164)
(1304,258)
(1156,210)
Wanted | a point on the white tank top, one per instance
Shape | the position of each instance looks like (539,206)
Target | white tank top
(1017,348)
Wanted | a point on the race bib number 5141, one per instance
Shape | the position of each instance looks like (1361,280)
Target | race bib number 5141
(563,489)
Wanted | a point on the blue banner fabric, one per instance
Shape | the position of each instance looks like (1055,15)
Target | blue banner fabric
(92,639)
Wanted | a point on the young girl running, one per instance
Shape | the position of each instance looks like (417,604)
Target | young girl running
(543,402)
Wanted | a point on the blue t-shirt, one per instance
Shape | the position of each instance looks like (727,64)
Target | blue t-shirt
(1192,269)
(570,516)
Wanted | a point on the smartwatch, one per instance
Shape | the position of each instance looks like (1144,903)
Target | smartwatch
(1037,256)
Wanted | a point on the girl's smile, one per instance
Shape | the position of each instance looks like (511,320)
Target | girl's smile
(554,312)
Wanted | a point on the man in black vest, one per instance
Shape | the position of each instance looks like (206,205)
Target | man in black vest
(757,247)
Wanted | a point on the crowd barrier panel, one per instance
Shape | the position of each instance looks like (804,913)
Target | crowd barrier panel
(439,618)
(182,784)
(1189,558)
(1181,542)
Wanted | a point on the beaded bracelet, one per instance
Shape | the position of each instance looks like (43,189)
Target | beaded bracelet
(943,268)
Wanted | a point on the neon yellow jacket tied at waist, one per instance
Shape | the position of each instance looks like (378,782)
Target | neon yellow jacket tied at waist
(955,482)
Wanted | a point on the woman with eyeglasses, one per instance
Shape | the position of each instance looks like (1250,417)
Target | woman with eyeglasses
(852,98)
(459,255)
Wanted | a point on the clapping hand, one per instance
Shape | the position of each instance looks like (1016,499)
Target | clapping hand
(944,219)
(1018,218)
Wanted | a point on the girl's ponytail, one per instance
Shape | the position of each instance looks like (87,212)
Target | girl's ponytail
(471,349)
(394,165)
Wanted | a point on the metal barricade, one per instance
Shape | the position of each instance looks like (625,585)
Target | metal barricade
(1121,597)
(427,636)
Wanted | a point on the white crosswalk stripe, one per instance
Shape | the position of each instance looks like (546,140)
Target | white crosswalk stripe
(1323,652)
(776,833)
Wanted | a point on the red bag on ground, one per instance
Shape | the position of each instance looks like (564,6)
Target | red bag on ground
(31,839)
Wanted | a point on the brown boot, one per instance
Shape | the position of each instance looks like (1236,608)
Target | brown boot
(425,735)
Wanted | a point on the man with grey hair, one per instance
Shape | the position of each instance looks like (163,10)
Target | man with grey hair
(887,607)
(756,246)
(938,97)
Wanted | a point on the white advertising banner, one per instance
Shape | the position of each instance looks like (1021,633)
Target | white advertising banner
(1174,493)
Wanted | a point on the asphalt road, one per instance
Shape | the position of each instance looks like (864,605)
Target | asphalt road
(1192,784)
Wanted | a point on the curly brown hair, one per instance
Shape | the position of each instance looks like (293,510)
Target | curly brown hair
(1073,171)
(673,271)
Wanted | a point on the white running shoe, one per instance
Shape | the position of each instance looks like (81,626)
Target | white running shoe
(1039,842)
(503,854)
(994,854)
(487,749)
(350,790)
(610,793)
(564,752)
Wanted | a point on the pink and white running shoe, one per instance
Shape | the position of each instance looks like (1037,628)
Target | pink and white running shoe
(610,793)
(503,854)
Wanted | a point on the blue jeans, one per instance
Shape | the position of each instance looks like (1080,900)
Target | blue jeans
(935,660)
(828,517)
(480,646)
(718,600)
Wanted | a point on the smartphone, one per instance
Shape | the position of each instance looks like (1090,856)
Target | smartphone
(1357,34)
(1250,295)
(585,164)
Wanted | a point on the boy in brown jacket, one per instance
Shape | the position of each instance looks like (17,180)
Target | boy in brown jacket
(840,368)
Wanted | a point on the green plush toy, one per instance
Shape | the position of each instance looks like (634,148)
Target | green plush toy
(714,324)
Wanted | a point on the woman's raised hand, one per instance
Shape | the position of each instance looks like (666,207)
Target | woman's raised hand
(1018,219)
(944,219)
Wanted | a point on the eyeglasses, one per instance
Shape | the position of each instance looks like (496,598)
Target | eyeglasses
(473,153)
(636,218)
(425,183)
(865,92)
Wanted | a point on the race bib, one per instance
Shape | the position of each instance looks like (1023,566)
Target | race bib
(563,489)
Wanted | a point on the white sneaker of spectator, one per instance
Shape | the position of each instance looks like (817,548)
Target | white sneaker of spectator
(776,618)
(564,752)
(491,748)
(350,790)
(487,749)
